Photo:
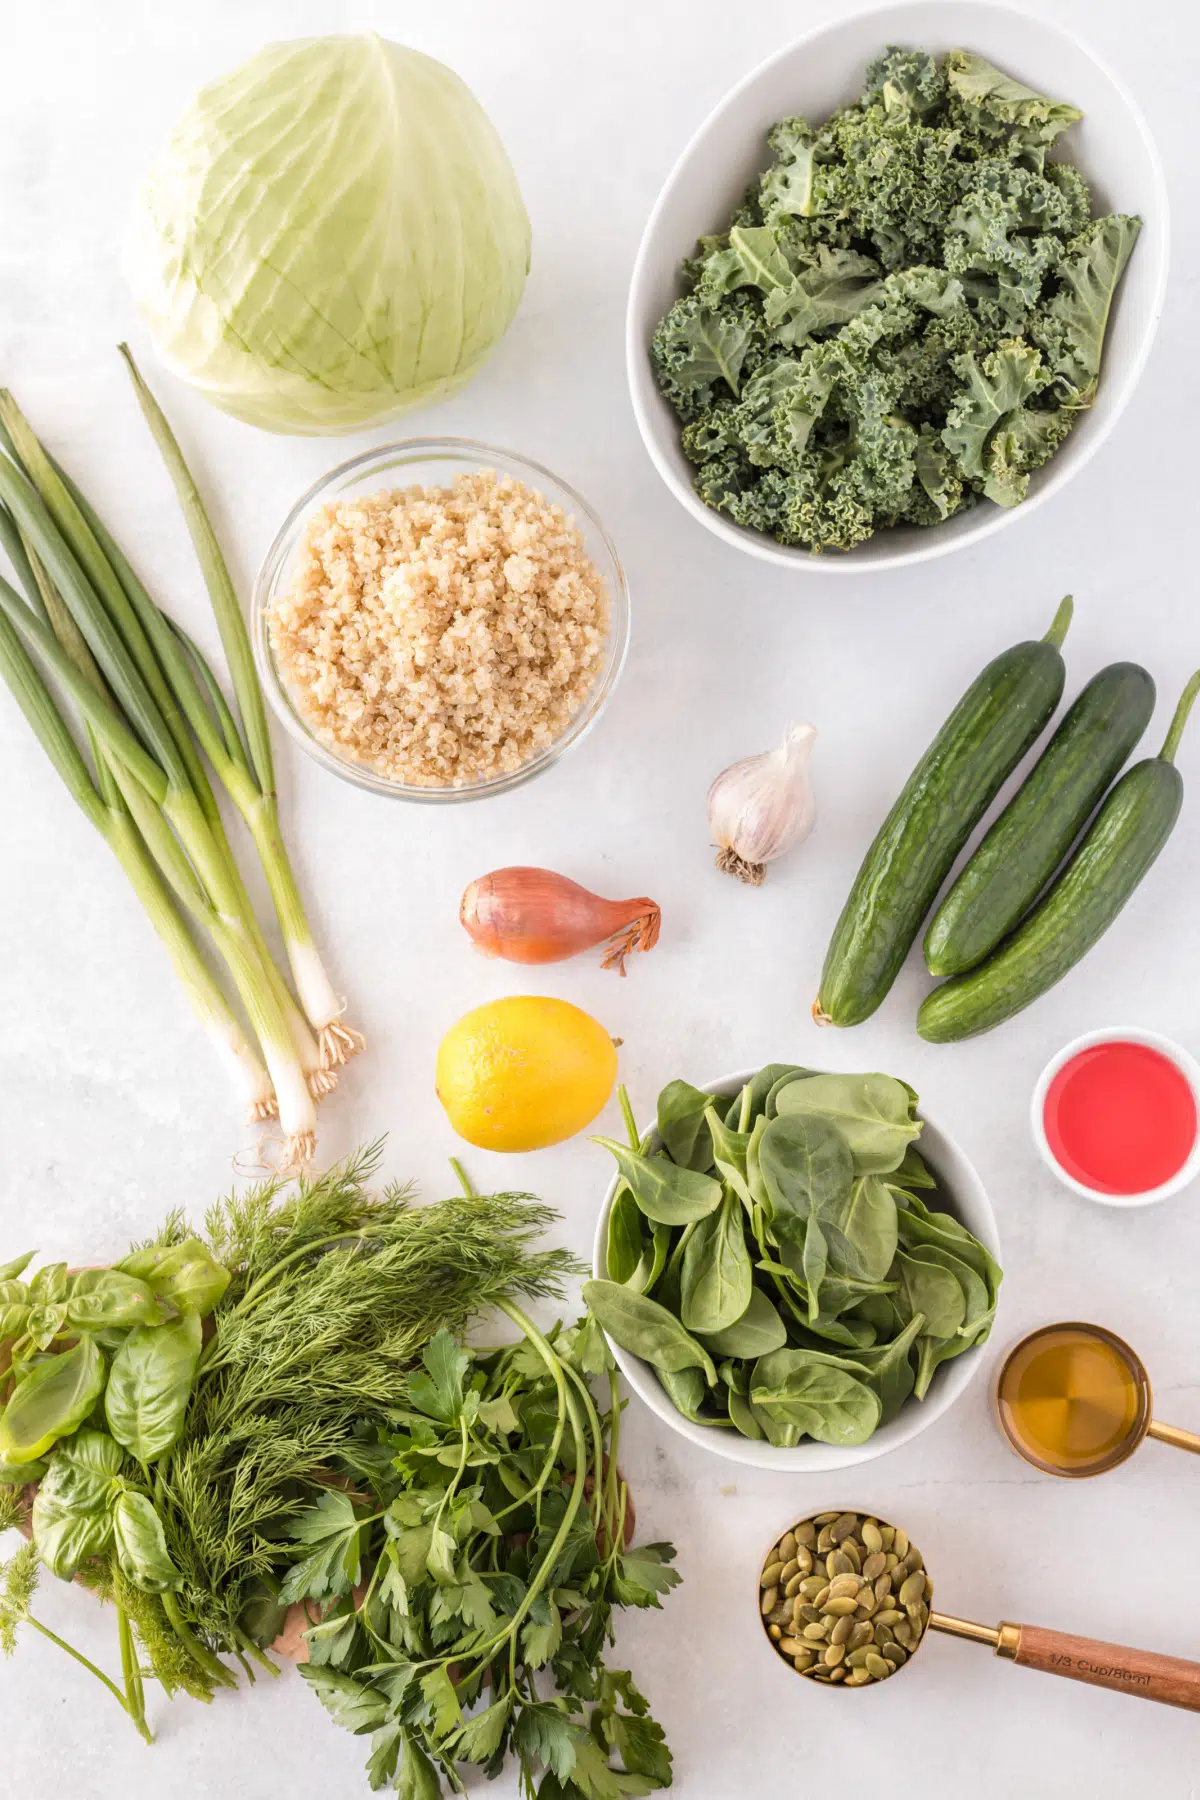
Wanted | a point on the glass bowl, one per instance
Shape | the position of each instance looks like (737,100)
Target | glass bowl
(433,462)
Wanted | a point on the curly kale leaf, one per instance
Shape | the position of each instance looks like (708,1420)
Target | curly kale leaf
(1026,439)
(1007,235)
(906,81)
(940,481)
(786,190)
(697,345)
(1005,108)
(835,286)
(995,389)
(751,258)
(1071,327)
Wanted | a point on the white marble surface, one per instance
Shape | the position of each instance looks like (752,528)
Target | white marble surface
(111,1110)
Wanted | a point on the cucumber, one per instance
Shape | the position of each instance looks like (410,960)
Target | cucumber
(1036,829)
(1118,847)
(978,747)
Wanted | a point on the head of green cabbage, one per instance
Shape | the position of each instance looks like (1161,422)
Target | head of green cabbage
(333,234)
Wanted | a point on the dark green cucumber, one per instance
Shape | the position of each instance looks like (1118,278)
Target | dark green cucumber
(981,743)
(1036,829)
(1118,847)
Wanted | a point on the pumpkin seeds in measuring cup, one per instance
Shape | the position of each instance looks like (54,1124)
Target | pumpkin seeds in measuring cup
(863,1610)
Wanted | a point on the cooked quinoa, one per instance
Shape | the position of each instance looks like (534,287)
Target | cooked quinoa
(441,635)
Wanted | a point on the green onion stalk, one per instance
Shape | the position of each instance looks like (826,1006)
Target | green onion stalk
(250,778)
(149,706)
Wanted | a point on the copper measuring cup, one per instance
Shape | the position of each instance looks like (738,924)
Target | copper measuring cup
(1140,1424)
(1142,1673)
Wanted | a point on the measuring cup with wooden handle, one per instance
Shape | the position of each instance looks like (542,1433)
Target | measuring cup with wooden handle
(844,1599)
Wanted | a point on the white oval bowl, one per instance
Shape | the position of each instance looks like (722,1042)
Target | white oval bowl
(1188,1067)
(1111,145)
(961,1187)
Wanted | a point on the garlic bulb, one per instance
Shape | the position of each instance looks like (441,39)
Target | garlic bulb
(763,805)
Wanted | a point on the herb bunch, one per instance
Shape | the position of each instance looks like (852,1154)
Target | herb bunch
(462,1588)
(906,314)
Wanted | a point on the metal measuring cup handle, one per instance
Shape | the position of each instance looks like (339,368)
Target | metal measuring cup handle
(1142,1673)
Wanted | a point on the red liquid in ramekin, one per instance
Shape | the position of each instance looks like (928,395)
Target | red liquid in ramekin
(1121,1118)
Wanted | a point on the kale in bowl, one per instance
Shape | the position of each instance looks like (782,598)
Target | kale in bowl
(906,314)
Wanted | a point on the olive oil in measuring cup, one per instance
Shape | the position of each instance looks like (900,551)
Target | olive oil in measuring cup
(1070,1401)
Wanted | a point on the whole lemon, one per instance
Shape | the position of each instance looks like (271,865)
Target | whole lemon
(521,1073)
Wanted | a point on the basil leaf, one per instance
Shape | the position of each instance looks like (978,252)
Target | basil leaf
(49,1286)
(72,1509)
(646,1329)
(188,1275)
(800,1393)
(51,1401)
(665,1193)
(151,1384)
(142,1545)
(758,1331)
(101,1299)
(20,1474)
(871,1112)
(716,1275)
(682,1126)
(10,1271)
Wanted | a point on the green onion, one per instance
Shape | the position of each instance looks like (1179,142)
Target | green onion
(251,785)
(149,705)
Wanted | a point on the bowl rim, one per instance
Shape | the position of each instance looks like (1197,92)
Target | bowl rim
(1054,475)
(1175,1053)
(473,452)
(808,1457)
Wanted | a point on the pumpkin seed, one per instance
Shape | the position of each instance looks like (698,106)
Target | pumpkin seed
(883,1635)
(822,1594)
(770,1575)
(842,1585)
(792,1646)
(849,1548)
(824,1541)
(883,1588)
(770,1599)
(873,1568)
(810,1615)
(788,1570)
(825,1518)
(787,1546)
(857,1658)
(860,1635)
(841,1631)
(775,1631)
(793,1587)
(895,1654)
(876,1666)
(816,1633)
(900,1542)
(905,1634)
(891,1562)
(844,1526)
(837,1564)
(805,1534)
(912,1588)
(840,1608)
(888,1534)
(812,1585)
(835,1654)
(838,1674)
(871,1536)
(803,1661)
(889,1615)
(782,1614)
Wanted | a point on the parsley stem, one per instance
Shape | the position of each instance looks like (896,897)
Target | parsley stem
(79,1657)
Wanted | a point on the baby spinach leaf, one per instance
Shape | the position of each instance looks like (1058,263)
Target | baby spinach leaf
(624,1243)
(977,1305)
(681,1126)
(805,1165)
(667,1194)
(51,1401)
(103,1299)
(889,1368)
(913,1172)
(150,1385)
(188,1276)
(758,1330)
(800,1393)
(729,1155)
(72,1517)
(717,1275)
(918,1225)
(686,1390)
(742,1415)
(653,1261)
(928,1289)
(786,1074)
(870,1112)
(646,1329)
(142,1546)
(861,1230)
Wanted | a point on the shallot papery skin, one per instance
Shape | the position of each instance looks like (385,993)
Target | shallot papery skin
(528,915)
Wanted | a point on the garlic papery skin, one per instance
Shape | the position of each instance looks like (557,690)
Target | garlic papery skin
(763,805)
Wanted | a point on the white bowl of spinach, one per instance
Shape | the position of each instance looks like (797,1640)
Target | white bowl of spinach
(881,307)
(795,1269)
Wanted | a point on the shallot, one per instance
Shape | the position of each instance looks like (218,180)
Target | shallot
(535,916)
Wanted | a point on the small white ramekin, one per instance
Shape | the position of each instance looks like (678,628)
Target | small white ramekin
(1131,1034)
